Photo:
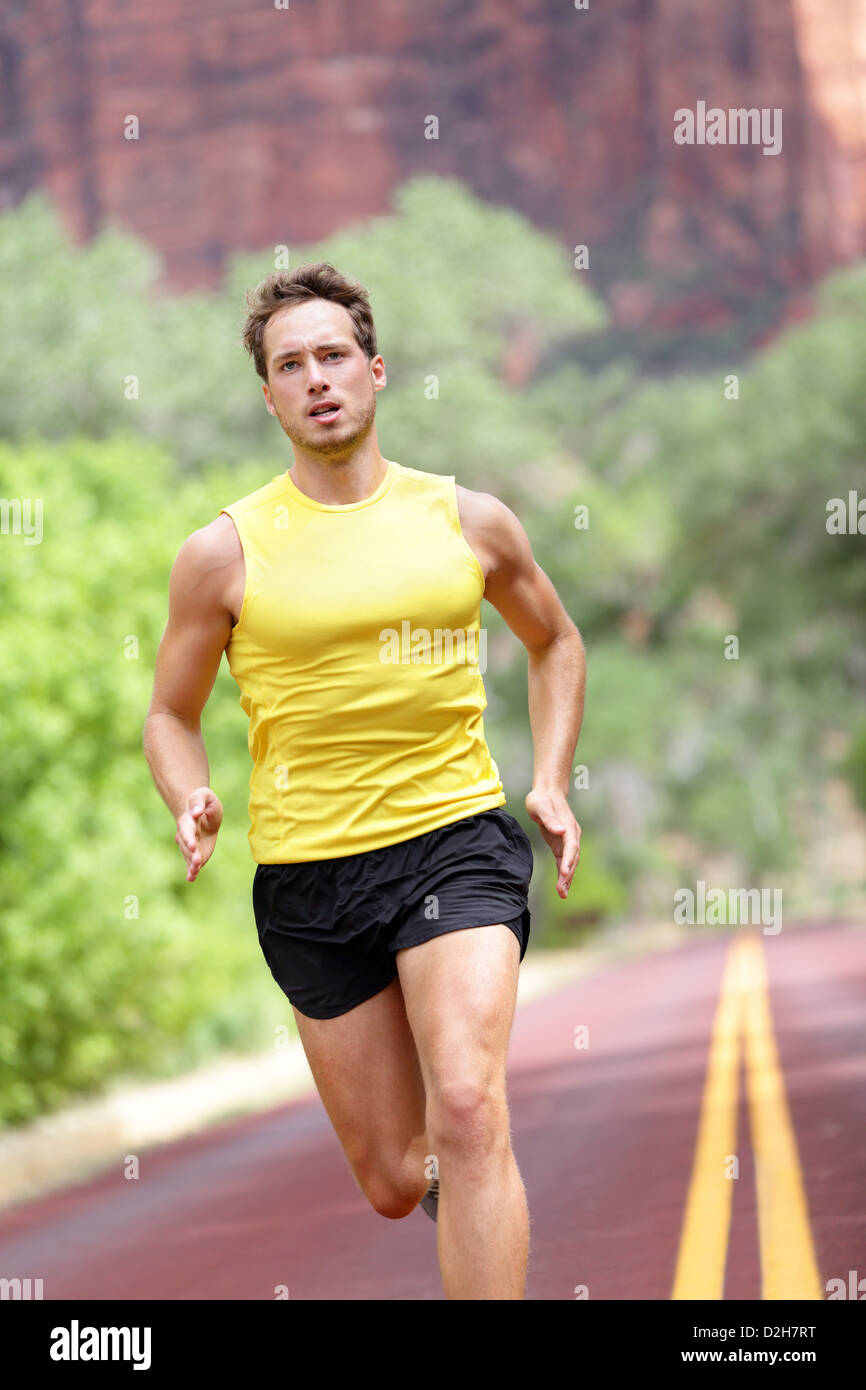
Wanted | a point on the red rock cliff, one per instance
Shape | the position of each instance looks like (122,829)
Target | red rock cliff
(261,126)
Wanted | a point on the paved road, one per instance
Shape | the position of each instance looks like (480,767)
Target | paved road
(699,1060)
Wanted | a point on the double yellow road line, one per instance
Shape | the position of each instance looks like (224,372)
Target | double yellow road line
(788,1266)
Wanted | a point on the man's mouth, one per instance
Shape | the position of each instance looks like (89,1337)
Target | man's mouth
(324,412)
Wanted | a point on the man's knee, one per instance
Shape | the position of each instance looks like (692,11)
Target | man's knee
(391,1194)
(395,1202)
(468,1117)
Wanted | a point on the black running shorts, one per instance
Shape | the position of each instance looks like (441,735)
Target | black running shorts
(330,929)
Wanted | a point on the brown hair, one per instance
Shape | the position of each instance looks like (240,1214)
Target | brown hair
(316,280)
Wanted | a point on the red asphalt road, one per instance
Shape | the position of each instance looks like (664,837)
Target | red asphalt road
(604,1138)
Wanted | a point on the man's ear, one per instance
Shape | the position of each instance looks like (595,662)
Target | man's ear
(267,395)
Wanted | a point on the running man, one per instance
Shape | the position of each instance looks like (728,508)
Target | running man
(390,893)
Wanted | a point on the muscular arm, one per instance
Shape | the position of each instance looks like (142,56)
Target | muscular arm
(520,590)
(198,629)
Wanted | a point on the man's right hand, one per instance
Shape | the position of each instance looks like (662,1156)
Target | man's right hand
(197,828)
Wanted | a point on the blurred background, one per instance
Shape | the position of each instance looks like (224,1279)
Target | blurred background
(654,353)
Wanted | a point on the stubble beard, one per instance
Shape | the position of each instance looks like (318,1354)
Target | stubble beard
(330,442)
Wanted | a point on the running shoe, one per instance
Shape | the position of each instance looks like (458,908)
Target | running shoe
(430,1200)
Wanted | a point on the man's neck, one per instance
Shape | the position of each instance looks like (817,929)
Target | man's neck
(339,482)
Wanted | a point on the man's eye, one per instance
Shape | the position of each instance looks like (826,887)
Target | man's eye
(335,353)
(289,364)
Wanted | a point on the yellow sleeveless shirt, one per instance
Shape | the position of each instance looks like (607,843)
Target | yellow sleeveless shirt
(359,655)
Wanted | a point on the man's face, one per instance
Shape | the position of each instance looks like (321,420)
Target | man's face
(314,360)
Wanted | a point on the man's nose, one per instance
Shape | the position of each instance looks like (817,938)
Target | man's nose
(316,374)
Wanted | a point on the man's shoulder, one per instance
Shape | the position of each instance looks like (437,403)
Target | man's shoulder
(492,531)
(209,548)
(482,509)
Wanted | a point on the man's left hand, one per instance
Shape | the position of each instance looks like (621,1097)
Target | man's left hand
(551,811)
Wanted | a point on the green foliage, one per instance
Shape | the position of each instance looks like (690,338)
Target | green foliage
(856,766)
(597,892)
(87,988)
(708,520)
(97,349)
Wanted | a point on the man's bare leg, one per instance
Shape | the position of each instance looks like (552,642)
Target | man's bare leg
(460,991)
(367,1074)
